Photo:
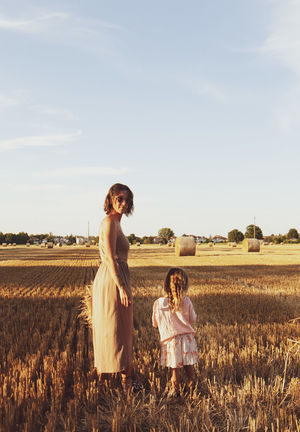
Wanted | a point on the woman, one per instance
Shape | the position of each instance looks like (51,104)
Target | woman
(112,300)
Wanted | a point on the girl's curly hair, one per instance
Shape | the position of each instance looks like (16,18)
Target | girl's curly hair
(114,190)
(176,284)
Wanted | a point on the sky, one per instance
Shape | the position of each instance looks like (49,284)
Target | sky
(194,105)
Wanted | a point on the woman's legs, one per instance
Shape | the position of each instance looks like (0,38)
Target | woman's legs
(126,378)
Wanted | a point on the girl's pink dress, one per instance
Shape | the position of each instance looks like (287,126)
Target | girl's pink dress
(178,345)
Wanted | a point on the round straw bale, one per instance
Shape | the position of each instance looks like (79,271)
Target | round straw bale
(271,244)
(14,244)
(50,245)
(88,244)
(210,244)
(185,246)
(251,245)
(4,244)
(234,244)
(138,243)
(170,244)
(27,244)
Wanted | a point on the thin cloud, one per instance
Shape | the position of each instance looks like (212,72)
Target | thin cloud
(282,46)
(38,141)
(283,42)
(62,113)
(42,188)
(203,88)
(65,28)
(85,171)
(7,101)
(35,25)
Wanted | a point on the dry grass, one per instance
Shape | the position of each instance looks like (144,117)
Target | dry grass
(246,305)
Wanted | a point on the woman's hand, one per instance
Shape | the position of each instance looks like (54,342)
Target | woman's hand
(126,300)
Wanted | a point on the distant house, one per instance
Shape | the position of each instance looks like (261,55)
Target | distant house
(59,240)
(219,239)
(81,240)
(200,239)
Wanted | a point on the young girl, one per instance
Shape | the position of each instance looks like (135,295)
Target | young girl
(174,315)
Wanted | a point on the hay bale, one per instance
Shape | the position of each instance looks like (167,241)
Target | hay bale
(271,244)
(251,245)
(266,244)
(4,244)
(234,244)
(138,243)
(170,244)
(185,246)
(88,244)
(50,245)
(210,244)
(14,244)
(27,244)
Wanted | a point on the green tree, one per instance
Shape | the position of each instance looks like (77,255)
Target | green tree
(166,234)
(148,239)
(292,234)
(10,238)
(250,232)
(2,238)
(71,239)
(22,238)
(235,236)
(131,238)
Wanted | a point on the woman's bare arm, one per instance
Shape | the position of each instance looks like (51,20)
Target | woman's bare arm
(109,230)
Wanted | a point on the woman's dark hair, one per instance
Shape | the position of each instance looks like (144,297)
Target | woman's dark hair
(115,190)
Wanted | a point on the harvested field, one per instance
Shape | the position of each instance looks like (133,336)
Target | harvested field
(245,304)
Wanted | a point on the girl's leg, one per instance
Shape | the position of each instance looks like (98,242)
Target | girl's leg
(189,371)
(126,378)
(175,379)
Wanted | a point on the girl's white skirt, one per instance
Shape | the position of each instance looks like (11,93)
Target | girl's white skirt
(179,351)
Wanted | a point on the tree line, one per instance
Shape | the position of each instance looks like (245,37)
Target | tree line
(20,238)
(254,231)
(24,237)
(165,234)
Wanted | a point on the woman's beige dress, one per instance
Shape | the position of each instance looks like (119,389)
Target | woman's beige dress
(112,322)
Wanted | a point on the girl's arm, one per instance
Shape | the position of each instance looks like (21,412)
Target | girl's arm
(154,315)
(192,313)
(109,229)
